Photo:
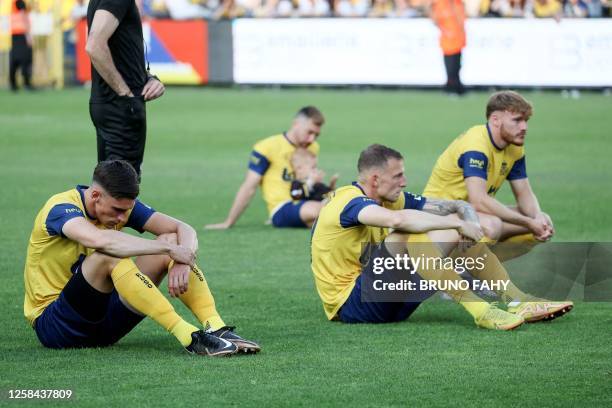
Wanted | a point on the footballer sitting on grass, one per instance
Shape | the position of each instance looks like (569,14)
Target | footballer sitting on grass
(363,212)
(476,164)
(82,288)
(269,167)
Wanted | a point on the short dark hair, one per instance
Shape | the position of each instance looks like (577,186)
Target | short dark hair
(118,178)
(376,155)
(509,101)
(311,113)
(20,5)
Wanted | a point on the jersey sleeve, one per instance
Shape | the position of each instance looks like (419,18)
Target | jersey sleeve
(117,8)
(349,215)
(474,164)
(139,216)
(518,170)
(59,215)
(259,160)
(407,201)
(413,201)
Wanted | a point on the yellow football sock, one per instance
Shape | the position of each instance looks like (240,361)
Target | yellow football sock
(200,301)
(420,245)
(142,294)
(493,271)
(514,247)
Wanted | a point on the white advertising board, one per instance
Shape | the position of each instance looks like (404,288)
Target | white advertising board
(406,52)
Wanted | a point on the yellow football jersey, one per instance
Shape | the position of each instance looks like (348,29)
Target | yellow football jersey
(338,239)
(52,258)
(473,154)
(271,158)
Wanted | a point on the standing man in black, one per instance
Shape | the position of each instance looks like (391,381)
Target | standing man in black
(121,84)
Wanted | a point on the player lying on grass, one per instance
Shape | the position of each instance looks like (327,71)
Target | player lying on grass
(476,164)
(362,214)
(82,287)
(308,183)
(269,167)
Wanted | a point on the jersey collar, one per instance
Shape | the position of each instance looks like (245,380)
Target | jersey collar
(491,138)
(81,189)
(356,184)
(287,139)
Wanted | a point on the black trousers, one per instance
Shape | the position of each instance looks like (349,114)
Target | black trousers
(20,57)
(452,63)
(121,129)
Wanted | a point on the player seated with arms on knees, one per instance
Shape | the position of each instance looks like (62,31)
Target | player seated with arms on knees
(270,167)
(476,164)
(364,213)
(82,287)
(308,182)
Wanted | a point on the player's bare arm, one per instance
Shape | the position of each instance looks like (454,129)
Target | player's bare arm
(482,202)
(122,245)
(445,207)
(103,26)
(241,202)
(178,275)
(528,204)
(417,221)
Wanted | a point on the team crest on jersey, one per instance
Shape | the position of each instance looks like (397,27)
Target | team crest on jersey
(504,169)
(287,175)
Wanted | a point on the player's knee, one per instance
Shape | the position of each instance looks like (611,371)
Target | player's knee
(396,236)
(103,262)
(395,243)
(491,226)
(310,210)
(170,238)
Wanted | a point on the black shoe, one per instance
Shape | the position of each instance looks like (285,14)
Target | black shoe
(206,344)
(244,346)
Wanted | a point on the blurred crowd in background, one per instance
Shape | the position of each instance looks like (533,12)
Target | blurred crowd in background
(224,9)
(219,9)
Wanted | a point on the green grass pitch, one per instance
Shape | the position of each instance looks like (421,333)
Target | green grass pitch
(198,146)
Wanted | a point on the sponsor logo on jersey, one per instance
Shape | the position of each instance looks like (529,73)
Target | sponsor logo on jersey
(477,164)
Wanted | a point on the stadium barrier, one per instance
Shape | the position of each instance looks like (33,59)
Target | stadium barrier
(176,50)
(385,52)
(534,53)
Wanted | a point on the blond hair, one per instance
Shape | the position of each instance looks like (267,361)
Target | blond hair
(509,101)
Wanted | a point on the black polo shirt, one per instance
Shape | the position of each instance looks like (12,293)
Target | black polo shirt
(126,47)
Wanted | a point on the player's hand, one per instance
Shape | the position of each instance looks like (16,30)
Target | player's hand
(178,279)
(542,216)
(182,254)
(540,229)
(333,180)
(153,89)
(221,226)
(471,230)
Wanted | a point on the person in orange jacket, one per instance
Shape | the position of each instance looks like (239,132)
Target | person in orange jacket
(449,16)
(20,57)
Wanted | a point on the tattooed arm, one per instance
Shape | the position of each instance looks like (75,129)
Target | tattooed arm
(445,207)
